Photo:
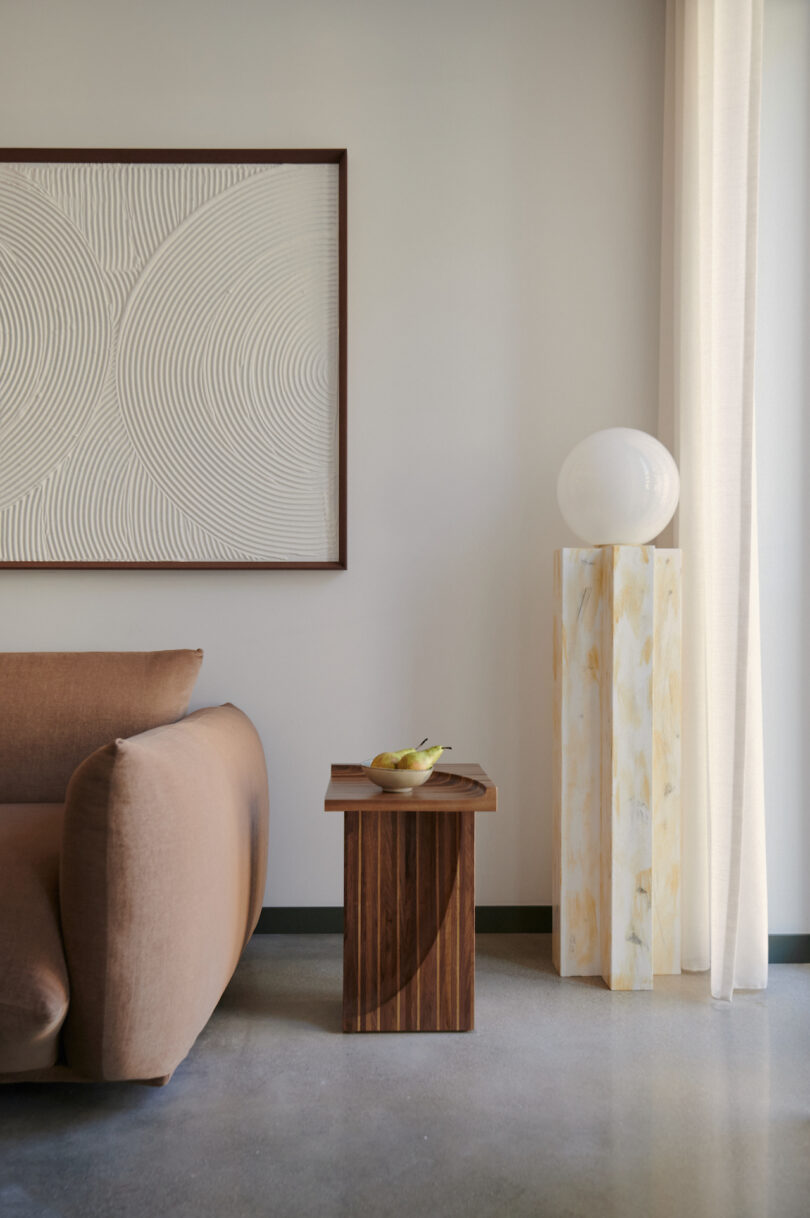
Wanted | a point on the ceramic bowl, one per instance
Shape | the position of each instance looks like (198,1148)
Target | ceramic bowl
(396,780)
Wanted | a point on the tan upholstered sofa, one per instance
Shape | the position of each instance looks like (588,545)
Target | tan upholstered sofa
(133,846)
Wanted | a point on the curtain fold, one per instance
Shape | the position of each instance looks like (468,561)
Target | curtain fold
(711,153)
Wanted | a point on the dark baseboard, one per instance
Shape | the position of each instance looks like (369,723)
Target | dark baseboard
(328,920)
(301,920)
(513,919)
(489,920)
(789,949)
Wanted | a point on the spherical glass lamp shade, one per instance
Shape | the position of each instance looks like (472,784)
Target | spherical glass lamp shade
(618,487)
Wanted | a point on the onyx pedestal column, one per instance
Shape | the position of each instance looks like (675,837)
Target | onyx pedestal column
(617,764)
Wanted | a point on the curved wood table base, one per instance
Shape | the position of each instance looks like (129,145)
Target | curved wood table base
(409,900)
(409,921)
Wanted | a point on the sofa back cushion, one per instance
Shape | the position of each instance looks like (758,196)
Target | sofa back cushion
(58,707)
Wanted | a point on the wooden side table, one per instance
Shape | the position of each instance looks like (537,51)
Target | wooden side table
(409,899)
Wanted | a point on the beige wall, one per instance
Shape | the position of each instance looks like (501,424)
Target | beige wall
(504,199)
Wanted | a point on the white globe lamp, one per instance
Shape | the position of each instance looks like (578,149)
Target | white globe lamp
(618,487)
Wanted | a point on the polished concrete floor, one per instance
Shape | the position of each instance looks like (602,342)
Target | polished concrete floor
(567,1100)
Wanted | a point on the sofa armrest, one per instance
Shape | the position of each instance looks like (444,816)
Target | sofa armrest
(161,882)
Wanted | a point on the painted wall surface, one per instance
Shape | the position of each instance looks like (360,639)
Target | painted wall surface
(504,229)
(783,440)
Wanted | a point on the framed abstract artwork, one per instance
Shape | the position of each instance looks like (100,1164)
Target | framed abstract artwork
(172,358)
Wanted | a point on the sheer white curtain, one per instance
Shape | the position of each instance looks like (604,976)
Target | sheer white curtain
(714,59)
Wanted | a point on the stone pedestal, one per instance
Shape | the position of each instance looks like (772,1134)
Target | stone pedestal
(617,705)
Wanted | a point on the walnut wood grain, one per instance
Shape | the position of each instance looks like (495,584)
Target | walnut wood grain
(409,931)
(409,897)
(449,928)
(351,916)
(388,977)
(466,888)
(455,787)
(407,824)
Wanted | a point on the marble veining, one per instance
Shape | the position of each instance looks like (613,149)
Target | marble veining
(616,837)
(626,768)
(667,764)
(578,586)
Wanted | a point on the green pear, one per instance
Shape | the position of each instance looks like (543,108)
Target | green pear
(421,759)
(390,761)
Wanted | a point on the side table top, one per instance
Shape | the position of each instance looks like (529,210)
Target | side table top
(455,787)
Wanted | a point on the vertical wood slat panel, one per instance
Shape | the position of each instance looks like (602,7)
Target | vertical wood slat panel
(369,938)
(388,920)
(351,916)
(408,942)
(448,932)
(466,886)
(427,914)
(409,946)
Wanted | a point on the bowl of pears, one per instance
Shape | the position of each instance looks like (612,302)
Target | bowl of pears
(403,769)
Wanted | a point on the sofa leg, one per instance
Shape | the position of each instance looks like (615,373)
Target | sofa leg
(160,1081)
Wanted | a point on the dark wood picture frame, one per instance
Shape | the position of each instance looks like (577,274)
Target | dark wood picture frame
(234,156)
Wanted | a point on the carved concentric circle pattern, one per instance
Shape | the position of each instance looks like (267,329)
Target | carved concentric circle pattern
(169,372)
(55,332)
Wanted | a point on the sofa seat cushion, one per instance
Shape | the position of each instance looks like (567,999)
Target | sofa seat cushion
(33,973)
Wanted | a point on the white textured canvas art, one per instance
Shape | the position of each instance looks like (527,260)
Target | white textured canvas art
(169,363)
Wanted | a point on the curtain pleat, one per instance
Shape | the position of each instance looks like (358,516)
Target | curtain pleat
(713,80)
